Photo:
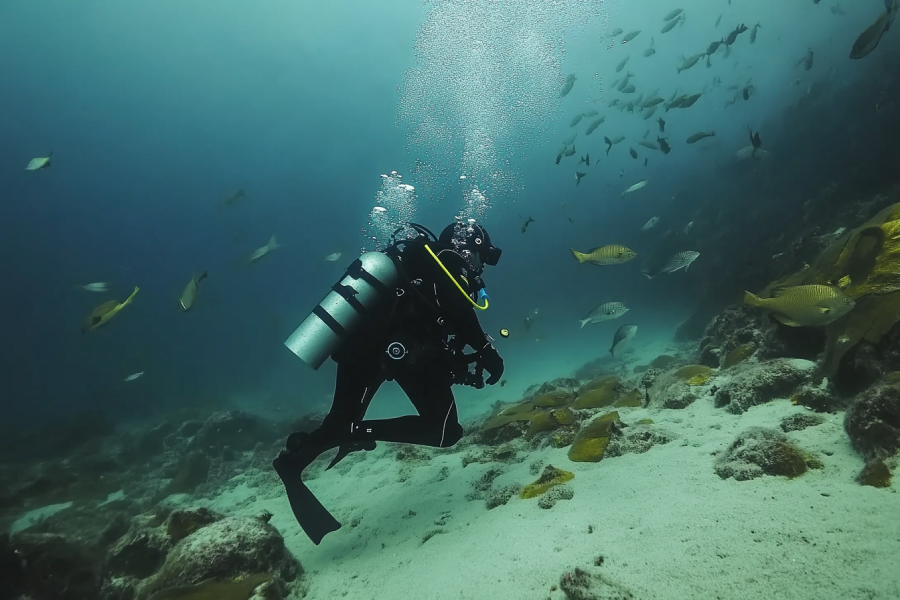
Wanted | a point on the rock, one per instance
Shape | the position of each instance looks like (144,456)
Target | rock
(182,523)
(549,478)
(636,440)
(192,471)
(581,585)
(760,451)
(562,492)
(57,568)
(876,474)
(591,441)
(224,550)
(799,421)
(873,422)
(820,398)
(758,383)
(410,453)
(500,496)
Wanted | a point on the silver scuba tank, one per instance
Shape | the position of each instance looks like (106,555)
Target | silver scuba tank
(370,278)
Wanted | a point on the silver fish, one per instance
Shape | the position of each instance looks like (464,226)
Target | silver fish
(681,260)
(36,164)
(604,312)
(591,113)
(594,125)
(690,62)
(636,186)
(334,256)
(623,334)
(630,36)
(616,31)
(263,250)
(670,25)
(133,376)
(98,287)
(622,64)
(868,39)
(576,120)
(189,295)
(567,86)
(649,144)
(673,14)
(649,52)
(650,224)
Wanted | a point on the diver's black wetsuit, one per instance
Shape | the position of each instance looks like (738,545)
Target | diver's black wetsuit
(420,320)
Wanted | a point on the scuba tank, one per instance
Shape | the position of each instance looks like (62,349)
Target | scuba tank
(370,279)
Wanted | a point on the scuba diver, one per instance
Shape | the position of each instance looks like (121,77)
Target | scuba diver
(404,315)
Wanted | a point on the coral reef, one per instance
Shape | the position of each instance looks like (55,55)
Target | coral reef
(758,383)
(876,474)
(582,585)
(760,451)
(873,422)
(799,421)
(591,441)
(549,478)
(636,440)
(562,492)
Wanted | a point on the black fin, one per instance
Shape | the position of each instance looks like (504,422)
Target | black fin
(313,517)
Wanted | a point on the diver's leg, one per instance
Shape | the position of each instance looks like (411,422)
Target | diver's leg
(437,423)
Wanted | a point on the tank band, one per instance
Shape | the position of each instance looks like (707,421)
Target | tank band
(332,323)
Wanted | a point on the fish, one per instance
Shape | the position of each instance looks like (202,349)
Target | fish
(648,144)
(650,224)
(636,186)
(753,33)
(604,312)
(576,120)
(680,260)
(36,164)
(582,160)
(747,91)
(558,157)
(630,36)
(733,35)
(269,247)
(663,145)
(233,197)
(713,46)
(527,222)
(662,125)
(578,176)
(632,153)
(648,113)
(609,144)
(690,100)
(649,52)
(868,39)
(623,83)
(622,64)
(628,89)
(699,136)
(719,20)
(621,337)
(651,102)
(670,26)
(98,287)
(101,315)
(189,295)
(591,113)
(751,152)
(379,210)
(689,62)
(612,254)
(804,305)
(334,256)
(688,227)
(754,141)
(618,139)
(569,151)
(673,14)
(837,10)
(567,86)
(134,376)
(806,61)
(616,31)
(570,140)
(594,125)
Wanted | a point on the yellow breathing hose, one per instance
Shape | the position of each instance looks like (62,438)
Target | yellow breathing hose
(456,283)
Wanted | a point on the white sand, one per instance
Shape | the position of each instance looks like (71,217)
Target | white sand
(667,526)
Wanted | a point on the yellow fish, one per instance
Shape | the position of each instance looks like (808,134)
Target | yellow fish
(613,254)
(804,305)
(101,315)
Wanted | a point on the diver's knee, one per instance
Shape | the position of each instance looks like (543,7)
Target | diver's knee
(452,435)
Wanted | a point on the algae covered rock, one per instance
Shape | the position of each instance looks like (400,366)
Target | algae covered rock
(876,474)
(549,478)
(591,441)
(582,585)
(760,451)
(500,496)
(758,383)
(599,393)
(873,422)
(738,354)
(226,549)
(799,421)
(637,439)
(562,492)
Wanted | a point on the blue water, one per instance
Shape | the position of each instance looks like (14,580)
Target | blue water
(156,111)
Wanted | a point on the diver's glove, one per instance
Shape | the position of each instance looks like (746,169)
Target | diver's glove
(489,359)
